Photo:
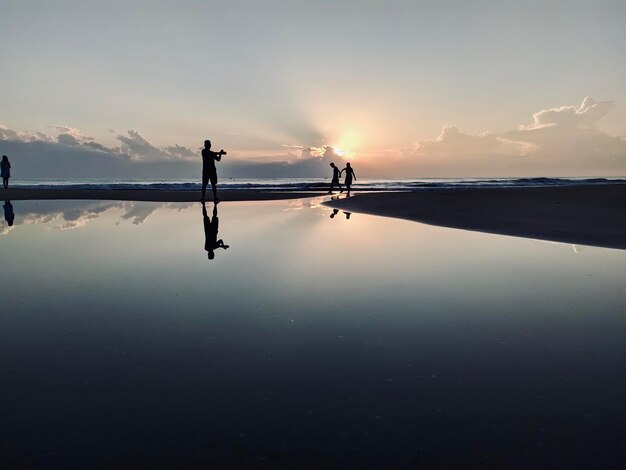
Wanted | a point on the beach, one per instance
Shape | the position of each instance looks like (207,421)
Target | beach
(578,214)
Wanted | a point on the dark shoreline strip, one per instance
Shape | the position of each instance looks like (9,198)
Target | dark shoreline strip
(18,194)
(583,214)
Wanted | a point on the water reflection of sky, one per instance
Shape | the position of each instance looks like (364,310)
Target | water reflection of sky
(310,338)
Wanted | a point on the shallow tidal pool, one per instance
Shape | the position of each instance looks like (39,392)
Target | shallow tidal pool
(316,339)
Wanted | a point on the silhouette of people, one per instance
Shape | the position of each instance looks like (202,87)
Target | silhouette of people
(209,172)
(5,170)
(349,176)
(211,227)
(335,180)
(9,215)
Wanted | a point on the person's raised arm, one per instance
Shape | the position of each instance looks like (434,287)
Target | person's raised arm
(218,155)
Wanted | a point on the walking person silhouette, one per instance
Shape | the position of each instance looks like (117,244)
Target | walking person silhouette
(209,172)
(335,180)
(211,227)
(349,175)
(5,171)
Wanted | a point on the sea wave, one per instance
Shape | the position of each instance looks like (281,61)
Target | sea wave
(315,185)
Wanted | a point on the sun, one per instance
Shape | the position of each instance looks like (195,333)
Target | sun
(348,154)
(340,152)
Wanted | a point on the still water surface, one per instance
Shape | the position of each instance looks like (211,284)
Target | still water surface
(311,340)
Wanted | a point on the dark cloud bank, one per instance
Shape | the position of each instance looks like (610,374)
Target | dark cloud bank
(564,141)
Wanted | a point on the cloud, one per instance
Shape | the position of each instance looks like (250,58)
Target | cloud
(72,154)
(454,143)
(330,153)
(571,136)
(182,152)
(135,145)
(561,141)
(587,115)
(558,141)
(8,134)
(302,152)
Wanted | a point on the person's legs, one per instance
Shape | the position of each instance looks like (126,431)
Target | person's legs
(5,182)
(214,188)
(205,181)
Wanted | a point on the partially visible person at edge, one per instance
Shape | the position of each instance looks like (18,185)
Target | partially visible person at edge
(5,171)
(335,180)
(209,172)
(349,176)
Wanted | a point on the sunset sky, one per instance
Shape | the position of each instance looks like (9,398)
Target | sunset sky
(403,88)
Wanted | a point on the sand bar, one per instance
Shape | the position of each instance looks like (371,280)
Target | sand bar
(17,194)
(579,214)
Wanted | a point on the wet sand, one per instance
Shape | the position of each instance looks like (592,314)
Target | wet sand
(18,194)
(583,214)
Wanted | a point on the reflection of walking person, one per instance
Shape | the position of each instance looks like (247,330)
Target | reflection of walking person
(5,170)
(349,175)
(209,172)
(335,180)
(9,215)
(336,211)
(211,227)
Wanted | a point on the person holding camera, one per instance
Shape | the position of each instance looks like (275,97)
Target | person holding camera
(209,172)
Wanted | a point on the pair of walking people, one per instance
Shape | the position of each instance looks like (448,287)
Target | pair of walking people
(337,174)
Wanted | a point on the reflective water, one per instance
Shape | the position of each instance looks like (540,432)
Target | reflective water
(314,339)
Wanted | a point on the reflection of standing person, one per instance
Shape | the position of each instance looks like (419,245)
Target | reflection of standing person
(209,172)
(349,175)
(335,180)
(5,170)
(9,215)
(211,227)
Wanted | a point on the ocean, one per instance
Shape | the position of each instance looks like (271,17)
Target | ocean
(310,184)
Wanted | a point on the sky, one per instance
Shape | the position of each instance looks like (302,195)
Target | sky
(400,88)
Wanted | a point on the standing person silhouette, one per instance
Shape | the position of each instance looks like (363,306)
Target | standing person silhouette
(335,180)
(349,175)
(209,172)
(5,170)
(211,227)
